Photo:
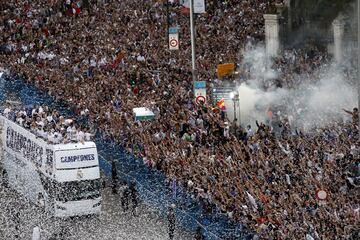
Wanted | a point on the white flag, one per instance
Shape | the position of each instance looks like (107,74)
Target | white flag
(199,5)
(252,200)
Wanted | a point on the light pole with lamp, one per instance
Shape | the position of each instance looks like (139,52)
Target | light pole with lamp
(235,97)
(193,52)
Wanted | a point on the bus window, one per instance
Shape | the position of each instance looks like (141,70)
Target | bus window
(78,190)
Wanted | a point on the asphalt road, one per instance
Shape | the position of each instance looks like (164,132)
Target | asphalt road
(18,217)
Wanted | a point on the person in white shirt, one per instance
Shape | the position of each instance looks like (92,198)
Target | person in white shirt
(54,137)
(140,58)
(62,121)
(33,127)
(49,119)
(192,121)
(226,130)
(7,110)
(40,110)
(88,136)
(51,137)
(68,122)
(71,132)
(19,119)
(193,136)
(41,133)
(200,123)
(93,62)
(39,122)
(80,136)
(34,111)
(23,112)
(57,137)
(103,62)
(249,132)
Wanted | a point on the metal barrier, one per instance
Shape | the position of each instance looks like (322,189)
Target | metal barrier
(151,184)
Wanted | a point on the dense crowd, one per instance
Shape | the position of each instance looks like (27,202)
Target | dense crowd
(47,124)
(107,57)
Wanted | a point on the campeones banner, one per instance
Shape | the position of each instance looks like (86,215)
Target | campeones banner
(46,157)
(26,146)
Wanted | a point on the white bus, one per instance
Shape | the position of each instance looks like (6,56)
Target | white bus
(62,178)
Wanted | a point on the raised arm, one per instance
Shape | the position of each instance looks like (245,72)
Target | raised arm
(347,111)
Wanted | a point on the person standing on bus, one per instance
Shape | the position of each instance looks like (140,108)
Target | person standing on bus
(7,110)
(114,177)
(171,219)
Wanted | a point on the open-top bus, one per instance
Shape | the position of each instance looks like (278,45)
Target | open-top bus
(62,178)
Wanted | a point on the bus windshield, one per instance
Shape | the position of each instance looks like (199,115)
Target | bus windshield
(78,190)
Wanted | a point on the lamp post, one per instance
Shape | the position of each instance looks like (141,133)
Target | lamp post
(235,97)
(167,16)
(193,53)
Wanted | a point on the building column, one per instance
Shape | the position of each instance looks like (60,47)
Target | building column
(272,35)
(338,28)
(288,4)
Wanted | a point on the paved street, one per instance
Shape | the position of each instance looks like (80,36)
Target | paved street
(19,216)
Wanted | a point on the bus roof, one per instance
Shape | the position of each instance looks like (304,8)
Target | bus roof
(72,146)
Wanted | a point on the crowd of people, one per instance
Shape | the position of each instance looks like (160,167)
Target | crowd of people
(107,57)
(47,124)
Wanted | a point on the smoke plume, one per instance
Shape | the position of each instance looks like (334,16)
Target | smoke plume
(317,101)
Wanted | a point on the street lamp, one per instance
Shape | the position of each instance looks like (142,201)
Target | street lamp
(232,95)
(193,53)
(235,97)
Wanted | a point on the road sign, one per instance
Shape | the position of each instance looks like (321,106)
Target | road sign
(321,194)
(200,84)
(173,30)
(200,91)
(173,38)
(200,100)
(173,43)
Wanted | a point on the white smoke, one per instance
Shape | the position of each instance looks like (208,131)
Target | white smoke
(325,100)
(317,104)
(254,102)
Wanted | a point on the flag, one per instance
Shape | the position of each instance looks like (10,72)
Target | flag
(252,200)
(225,69)
(184,10)
(221,104)
(199,6)
(118,59)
